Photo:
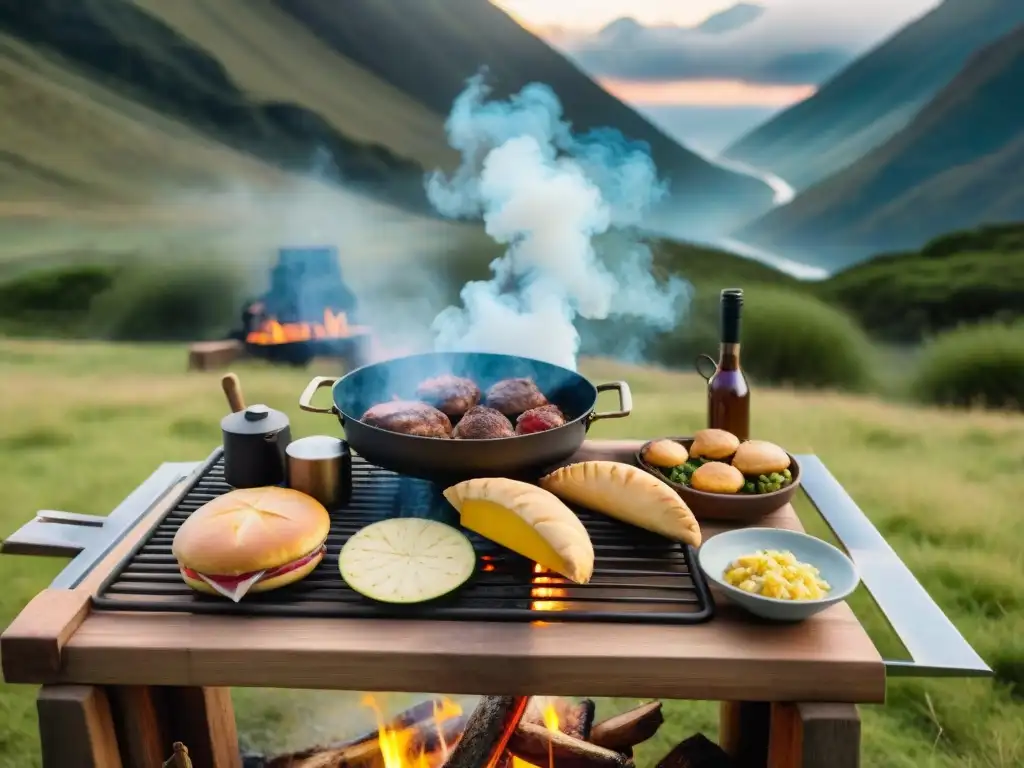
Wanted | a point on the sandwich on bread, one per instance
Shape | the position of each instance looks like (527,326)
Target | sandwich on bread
(251,540)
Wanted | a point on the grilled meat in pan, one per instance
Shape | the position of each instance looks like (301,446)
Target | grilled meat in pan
(539,420)
(483,423)
(514,396)
(452,395)
(409,418)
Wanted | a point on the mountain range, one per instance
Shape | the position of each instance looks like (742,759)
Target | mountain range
(799,42)
(357,94)
(957,164)
(877,95)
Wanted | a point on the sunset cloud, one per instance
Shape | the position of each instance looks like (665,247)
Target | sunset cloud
(710,93)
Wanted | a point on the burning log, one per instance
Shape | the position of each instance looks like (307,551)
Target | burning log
(624,731)
(427,736)
(698,751)
(487,733)
(408,718)
(572,719)
(542,746)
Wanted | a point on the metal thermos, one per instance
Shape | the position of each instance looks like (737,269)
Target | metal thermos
(321,466)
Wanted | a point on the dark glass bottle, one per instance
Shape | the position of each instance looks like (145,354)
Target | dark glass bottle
(728,392)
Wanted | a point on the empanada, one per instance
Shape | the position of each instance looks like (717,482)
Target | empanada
(626,493)
(528,520)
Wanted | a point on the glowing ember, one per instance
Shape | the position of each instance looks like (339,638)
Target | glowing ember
(545,598)
(334,326)
(397,747)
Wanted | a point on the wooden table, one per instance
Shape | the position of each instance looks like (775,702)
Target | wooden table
(119,686)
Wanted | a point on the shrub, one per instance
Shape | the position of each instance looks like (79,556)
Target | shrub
(973,365)
(158,302)
(788,338)
(56,298)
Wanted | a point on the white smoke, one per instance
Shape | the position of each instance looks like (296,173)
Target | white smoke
(547,194)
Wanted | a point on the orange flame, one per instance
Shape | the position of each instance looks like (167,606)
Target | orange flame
(397,747)
(551,722)
(545,598)
(334,326)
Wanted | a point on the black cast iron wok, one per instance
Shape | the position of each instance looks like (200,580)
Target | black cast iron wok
(443,460)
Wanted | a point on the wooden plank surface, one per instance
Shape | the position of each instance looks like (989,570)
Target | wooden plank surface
(732,657)
(32,644)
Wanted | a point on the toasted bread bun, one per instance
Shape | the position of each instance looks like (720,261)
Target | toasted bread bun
(714,444)
(717,477)
(264,585)
(665,454)
(251,529)
(757,457)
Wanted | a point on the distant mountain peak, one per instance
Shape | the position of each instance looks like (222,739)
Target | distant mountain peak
(731,18)
(619,28)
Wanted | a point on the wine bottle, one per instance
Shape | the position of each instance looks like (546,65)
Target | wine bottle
(728,392)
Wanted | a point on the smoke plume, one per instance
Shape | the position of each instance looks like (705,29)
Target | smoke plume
(548,195)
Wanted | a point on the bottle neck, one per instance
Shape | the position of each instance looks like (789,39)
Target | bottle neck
(729,356)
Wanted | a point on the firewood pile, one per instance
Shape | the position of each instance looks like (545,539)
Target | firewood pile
(549,732)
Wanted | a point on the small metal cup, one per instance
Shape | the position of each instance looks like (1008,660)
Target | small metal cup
(321,467)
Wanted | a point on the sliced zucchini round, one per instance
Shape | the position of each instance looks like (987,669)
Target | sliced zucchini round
(406,560)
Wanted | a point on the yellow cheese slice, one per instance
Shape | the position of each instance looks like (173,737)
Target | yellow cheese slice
(528,520)
(626,493)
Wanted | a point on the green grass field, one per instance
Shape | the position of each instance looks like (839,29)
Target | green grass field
(84,423)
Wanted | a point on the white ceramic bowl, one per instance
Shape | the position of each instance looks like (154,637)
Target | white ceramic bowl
(836,568)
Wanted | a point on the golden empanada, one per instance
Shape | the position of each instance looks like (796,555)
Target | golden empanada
(626,493)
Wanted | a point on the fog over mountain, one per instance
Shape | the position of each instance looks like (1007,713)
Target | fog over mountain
(785,41)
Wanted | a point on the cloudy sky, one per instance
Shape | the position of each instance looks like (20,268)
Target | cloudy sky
(707,83)
(777,57)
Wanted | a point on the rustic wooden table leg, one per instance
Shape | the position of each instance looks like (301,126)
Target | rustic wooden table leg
(140,714)
(814,736)
(203,719)
(76,728)
(743,732)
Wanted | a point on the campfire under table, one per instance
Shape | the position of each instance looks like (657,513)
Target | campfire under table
(119,687)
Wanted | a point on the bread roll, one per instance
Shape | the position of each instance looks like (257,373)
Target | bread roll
(717,477)
(759,457)
(528,520)
(626,493)
(714,444)
(665,454)
(251,529)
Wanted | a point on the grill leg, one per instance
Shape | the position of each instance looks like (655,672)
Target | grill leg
(814,736)
(76,728)
(743,732)
(203,719)
(141,717)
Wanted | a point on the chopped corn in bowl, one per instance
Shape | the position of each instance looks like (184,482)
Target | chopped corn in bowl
(777,574)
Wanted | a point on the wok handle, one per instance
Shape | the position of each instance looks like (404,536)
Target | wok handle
(318,382)
(625,401)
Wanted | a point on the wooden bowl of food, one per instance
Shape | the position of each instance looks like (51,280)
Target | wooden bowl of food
(721,478)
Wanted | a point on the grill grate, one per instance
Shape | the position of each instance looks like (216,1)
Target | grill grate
(638,577)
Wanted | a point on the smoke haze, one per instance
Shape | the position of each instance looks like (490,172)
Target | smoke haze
(547,195)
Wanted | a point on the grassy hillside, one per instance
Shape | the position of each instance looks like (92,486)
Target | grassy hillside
(957,164)
(273,57)
(965,277)
(877,95)
(133,407)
